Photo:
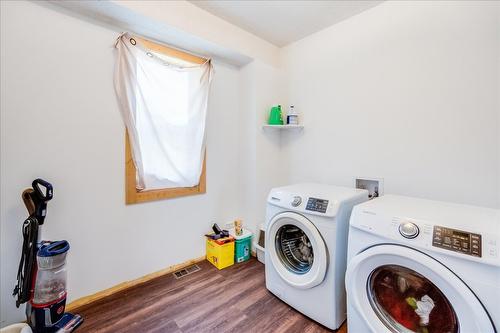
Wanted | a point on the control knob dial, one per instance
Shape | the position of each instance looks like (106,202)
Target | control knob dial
(408,230)
(296,201)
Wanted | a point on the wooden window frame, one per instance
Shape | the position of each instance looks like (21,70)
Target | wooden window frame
(132,194)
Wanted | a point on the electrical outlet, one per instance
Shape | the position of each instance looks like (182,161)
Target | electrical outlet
(375,186)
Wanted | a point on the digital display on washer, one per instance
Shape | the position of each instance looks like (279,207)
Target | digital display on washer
(457,240)
(317,205)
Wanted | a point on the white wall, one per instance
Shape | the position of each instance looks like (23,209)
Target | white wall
(59,121)
(260,155)
(406,91)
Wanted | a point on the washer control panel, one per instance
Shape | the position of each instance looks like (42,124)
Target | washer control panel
(317,205)
(457,240)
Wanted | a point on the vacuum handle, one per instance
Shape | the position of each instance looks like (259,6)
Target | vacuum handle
(43,192)
(49,191)
(28,200)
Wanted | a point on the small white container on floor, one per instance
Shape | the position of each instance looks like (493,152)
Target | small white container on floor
(260,246)
(261,253)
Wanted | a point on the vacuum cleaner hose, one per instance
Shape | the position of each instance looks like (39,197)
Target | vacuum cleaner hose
(28,261)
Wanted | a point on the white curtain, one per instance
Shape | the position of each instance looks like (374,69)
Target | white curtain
(163,104)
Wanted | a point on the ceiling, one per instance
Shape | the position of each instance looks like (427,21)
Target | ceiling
(284,22)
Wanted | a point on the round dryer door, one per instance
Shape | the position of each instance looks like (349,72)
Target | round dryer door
(297,250)
(397,289)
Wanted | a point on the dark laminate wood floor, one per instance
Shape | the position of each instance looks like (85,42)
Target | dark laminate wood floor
(231,300)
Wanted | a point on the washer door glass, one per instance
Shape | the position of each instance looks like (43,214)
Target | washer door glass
(393,288)
(408,302)
(294,249)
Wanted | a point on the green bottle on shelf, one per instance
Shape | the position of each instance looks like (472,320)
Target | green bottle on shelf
(275,116)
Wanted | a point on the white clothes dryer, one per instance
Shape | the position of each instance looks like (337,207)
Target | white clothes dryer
(423,266)
(306,248)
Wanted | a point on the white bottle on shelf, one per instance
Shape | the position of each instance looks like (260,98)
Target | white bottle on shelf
(292,116)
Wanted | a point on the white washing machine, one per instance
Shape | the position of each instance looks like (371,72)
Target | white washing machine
(416,265)
(306,248)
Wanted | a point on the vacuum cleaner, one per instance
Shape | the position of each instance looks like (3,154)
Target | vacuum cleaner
(41,277)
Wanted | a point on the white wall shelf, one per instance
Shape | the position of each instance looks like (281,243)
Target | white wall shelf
(283,127)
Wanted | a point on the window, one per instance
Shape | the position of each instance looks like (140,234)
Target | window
(163,96)
(133,195)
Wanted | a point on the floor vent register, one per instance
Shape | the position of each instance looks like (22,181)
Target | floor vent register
(186,271)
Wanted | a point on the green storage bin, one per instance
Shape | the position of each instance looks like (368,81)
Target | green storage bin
(242,245)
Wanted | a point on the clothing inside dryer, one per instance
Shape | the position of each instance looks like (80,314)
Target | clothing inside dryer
(408,302)
(294,249)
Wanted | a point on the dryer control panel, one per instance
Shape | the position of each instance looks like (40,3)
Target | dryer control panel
(317,205)
(457,240)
